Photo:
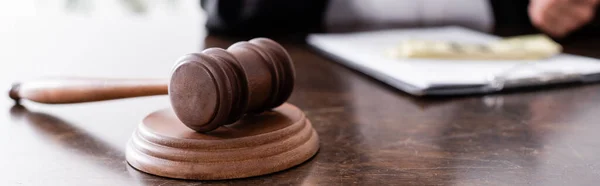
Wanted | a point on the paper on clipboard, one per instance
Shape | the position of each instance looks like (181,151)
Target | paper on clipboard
(365,52)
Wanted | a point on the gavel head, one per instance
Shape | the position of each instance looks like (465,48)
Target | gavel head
(217,86)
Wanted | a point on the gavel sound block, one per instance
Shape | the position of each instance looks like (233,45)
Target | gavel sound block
(228,117)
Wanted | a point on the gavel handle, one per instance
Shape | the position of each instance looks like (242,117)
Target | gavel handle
(78,90)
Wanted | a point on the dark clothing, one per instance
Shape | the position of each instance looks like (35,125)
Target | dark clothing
(264,17)
(251,18)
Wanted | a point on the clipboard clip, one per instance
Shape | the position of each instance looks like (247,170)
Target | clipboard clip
(503,80)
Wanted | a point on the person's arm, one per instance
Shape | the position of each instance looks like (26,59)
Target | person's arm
(263,17)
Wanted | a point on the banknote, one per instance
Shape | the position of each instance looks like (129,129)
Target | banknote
(528,47)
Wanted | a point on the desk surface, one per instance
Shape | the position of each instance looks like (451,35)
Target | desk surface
(370,133)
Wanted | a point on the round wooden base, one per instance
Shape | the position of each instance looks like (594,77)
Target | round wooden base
(255,145)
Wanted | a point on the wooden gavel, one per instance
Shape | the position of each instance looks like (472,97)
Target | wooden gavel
(207,89)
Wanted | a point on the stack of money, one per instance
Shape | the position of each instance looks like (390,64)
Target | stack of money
(529,47)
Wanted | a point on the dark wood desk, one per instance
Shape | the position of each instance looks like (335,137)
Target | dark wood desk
(371,134)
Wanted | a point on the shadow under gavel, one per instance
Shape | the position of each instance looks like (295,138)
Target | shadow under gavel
(206,90)
(69,136)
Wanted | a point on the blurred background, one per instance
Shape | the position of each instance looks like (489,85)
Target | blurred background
(71,32)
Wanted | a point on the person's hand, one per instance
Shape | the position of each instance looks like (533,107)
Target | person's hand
(560,17)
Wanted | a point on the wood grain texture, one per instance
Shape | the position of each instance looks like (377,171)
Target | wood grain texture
(77,90)
(255,145)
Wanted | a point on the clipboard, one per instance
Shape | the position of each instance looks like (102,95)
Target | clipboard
(365,52)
